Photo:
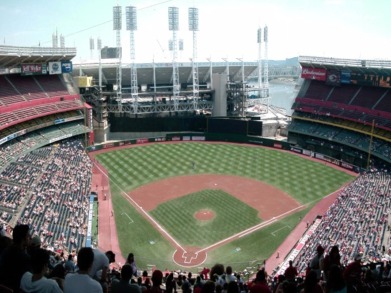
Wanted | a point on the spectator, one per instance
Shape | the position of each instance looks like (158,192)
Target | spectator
(232,287)
(157,280)
(123,285)
(216,274)
(82,282)
(58,274)
(14,261)
(69,264)
(186,286)
(260,285)
(131,261)
(209,287)
(290,272)
(35,244)
(198,285)
(36,281)
(100,267)
(205,273)
(352,273)
(333,258)
(335,283)
(317,261)
(229,277)
(311,284)
(170,283)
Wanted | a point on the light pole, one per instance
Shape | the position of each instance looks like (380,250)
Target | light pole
(226,68)
(210,71)
(131,25)
(243,87)
(117,26)
(193,26)
(173,25)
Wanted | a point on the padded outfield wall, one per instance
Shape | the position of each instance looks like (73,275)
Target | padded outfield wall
(123,127)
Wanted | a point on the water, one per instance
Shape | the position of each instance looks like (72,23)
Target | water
(282,94)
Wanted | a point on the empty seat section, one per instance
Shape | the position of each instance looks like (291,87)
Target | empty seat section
(368,96)
(343,94)
(385,103)
(317,90)
(27,86)
(8,94)
(52,85)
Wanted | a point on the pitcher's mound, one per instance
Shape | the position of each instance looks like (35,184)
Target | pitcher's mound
(204,215)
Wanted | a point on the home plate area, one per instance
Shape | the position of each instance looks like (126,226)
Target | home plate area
(189,257)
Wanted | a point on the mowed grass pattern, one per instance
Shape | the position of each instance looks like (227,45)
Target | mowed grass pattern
(230,217)
(304,180)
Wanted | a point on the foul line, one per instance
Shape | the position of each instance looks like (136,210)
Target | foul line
(130,219)
(251,229)
(237,235)
(140,208)
(275,231)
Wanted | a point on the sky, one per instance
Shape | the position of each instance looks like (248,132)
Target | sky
(356,29)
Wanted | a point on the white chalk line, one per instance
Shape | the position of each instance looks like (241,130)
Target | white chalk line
(237,235)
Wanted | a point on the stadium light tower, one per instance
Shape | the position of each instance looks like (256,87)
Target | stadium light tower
(259,40)
(173,25)
(193,26)
(55,40)
(226,68)
(92,47)
(131,25)
(210,71)
(266,69)
(62,41)
(99,47)
(117,26)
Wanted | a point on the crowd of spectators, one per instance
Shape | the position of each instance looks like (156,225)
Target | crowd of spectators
(13,149)
(48,189)
(356,222)
(379,147)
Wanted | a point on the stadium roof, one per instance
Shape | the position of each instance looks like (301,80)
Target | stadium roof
(163,71)
(376,66)
(11,56)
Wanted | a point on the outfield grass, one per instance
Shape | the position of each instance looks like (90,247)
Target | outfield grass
(305,180)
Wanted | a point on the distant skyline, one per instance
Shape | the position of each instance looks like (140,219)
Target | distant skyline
(357,29)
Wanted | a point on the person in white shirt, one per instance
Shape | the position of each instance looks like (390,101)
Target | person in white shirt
(81,282)
(36,281)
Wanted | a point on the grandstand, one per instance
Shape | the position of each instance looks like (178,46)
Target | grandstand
(343,110)
(38,110)
(342,115)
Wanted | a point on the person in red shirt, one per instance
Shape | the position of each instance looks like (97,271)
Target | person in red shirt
(260,285)
(290,272)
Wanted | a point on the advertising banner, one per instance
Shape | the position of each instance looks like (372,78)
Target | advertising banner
(66,67)
(333,77)
(198,138)
(141,140)
(54,67)
(345,76)
(313,73)
(33,69)
(296,150)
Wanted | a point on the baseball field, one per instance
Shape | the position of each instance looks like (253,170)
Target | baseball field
(181,205)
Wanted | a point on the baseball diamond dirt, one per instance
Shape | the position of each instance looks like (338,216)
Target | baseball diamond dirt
(271,203)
